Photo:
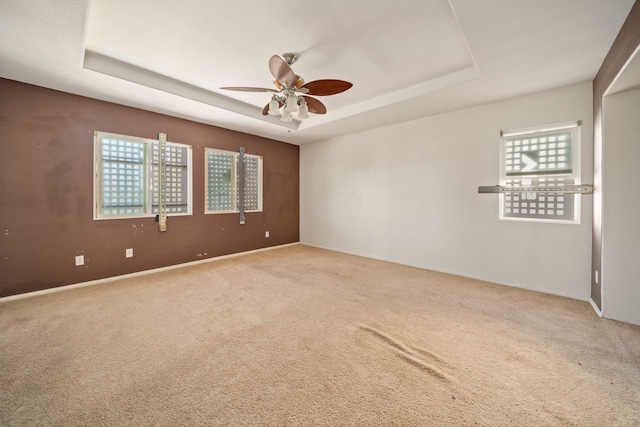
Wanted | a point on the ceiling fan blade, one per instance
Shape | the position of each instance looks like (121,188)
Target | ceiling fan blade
(315,106)
(281,71)
(250,89)
(327,87)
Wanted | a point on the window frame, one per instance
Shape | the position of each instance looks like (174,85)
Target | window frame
(147,180)
(235,203)
(575,129)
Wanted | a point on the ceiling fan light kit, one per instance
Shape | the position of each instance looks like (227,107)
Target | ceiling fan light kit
(286,116)
(274,106)
(292,103)
(303,111)
(291,94)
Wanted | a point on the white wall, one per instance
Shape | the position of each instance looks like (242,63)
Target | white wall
(407,193)
(621,202)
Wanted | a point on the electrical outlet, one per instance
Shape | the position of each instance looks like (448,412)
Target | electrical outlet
(128,253)
(79,260)
(266,234)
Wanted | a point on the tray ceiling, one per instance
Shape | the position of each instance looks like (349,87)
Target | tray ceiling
(406,59)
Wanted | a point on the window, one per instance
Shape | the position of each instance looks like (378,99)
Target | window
(545,157)
(127,177)
(222,181)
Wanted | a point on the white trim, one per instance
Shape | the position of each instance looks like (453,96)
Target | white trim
(544,220)
(148,179)
(595,307)
(576,169)
(624,320)
(631,57)
(234,176)
(138,273)
(533,130)
(123,70)
(235,208)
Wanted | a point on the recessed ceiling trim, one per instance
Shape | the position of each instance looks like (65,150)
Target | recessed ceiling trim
(448,80)
(113,67)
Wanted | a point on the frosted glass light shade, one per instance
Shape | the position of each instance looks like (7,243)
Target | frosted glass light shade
(274,107)
(286,116)
(303,111)
(292,104)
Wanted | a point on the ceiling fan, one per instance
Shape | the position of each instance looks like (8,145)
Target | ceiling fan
(292,92)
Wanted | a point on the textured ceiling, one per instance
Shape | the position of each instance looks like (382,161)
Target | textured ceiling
(406,59)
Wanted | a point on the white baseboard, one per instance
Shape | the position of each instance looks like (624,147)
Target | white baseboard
(584,298)
(138,273)
(595,307)
(624,320)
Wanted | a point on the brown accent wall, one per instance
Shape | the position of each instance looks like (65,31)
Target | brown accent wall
(46,193)
(625,44)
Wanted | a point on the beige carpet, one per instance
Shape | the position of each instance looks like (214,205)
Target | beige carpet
(304,336)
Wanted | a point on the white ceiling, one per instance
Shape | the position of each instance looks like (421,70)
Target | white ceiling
(406,59)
